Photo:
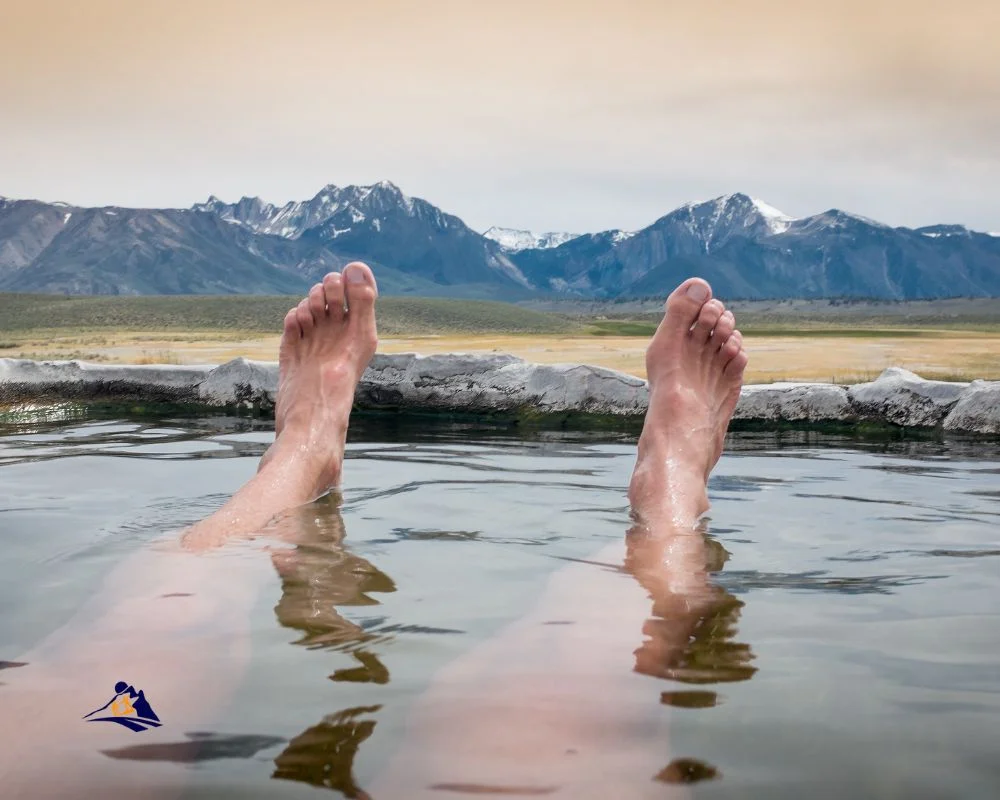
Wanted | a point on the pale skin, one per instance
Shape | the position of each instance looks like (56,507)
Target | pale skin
(542,727)
(519,740)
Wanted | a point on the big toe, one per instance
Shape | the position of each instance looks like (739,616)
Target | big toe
(361,290)
(685,303)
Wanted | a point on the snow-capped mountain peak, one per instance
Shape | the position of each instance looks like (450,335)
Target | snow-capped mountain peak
(741,208)
(714,222)
(514,240)
(777,221)
(294,218)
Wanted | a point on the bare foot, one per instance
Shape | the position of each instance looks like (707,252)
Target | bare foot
(327,342)
(695,365)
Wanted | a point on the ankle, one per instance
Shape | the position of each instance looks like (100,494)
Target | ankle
(668,490)
(318,454)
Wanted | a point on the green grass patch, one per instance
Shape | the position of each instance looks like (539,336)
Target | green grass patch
(25,313)
(621,327)
(646,328)
(844,332)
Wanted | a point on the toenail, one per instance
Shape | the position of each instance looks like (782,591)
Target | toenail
(698,292)
(355,275)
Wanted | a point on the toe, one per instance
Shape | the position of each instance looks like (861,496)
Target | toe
(723,329)
(734,369)
(317,303)
(361,291)
(290,329)
(333,288)
(731,348)
(305,317)
(685,302)
(708,318)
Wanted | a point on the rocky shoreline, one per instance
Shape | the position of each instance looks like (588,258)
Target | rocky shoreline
(508,386)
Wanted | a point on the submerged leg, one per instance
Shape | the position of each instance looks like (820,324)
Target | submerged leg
(544,709)
(171,622)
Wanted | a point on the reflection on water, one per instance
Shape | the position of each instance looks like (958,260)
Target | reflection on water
(694,621)
(689,637)
(318,577)
(835,575)
(199,747)
(687,770)
(323,755)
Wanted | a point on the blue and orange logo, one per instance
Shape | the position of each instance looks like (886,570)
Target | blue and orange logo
(128,707)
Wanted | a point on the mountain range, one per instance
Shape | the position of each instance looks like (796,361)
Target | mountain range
(745,247)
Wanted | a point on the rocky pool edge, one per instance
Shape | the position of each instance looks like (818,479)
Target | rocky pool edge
(503,385)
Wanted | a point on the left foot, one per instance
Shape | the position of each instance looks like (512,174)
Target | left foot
(327,342)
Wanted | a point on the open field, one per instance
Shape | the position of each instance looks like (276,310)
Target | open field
(24,313)
(825,347)
(841,359)
(951,313)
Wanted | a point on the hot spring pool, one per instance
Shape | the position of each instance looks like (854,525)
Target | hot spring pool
(853,651)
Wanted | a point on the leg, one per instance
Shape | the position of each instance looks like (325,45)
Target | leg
(180,630)
(546,709)
(324,350)
(695,365)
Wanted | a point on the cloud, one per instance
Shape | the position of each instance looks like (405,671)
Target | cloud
(561,114)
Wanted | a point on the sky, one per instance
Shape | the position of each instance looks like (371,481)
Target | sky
(576,116)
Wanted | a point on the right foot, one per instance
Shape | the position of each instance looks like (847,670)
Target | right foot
(327,342)
(694,365)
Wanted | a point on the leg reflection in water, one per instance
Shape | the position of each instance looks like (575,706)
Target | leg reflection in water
(318,576)
(689,634)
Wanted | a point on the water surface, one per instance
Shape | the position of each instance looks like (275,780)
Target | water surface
(852,648)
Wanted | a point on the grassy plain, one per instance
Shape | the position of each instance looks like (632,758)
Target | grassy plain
(957,341)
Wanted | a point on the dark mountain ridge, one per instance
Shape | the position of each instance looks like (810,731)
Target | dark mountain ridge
(745,247)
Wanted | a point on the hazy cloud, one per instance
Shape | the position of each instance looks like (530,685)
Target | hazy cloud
(552,115)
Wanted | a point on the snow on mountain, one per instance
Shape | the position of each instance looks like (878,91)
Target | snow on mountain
(714,222)
(777,221)
(937,231)
(514,240)
(292,219)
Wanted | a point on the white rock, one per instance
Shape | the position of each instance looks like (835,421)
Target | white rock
(904,398)
(496,384)
(503,384)
(794,402)
(21,378)
(240,382)
(977,410)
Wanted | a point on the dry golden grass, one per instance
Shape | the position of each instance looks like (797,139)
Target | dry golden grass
(954,355)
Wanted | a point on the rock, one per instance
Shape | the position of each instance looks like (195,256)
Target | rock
(240,382)
(977,410)
(21,379)
(506,385)
(498,384)
(904,398)
(794,402)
